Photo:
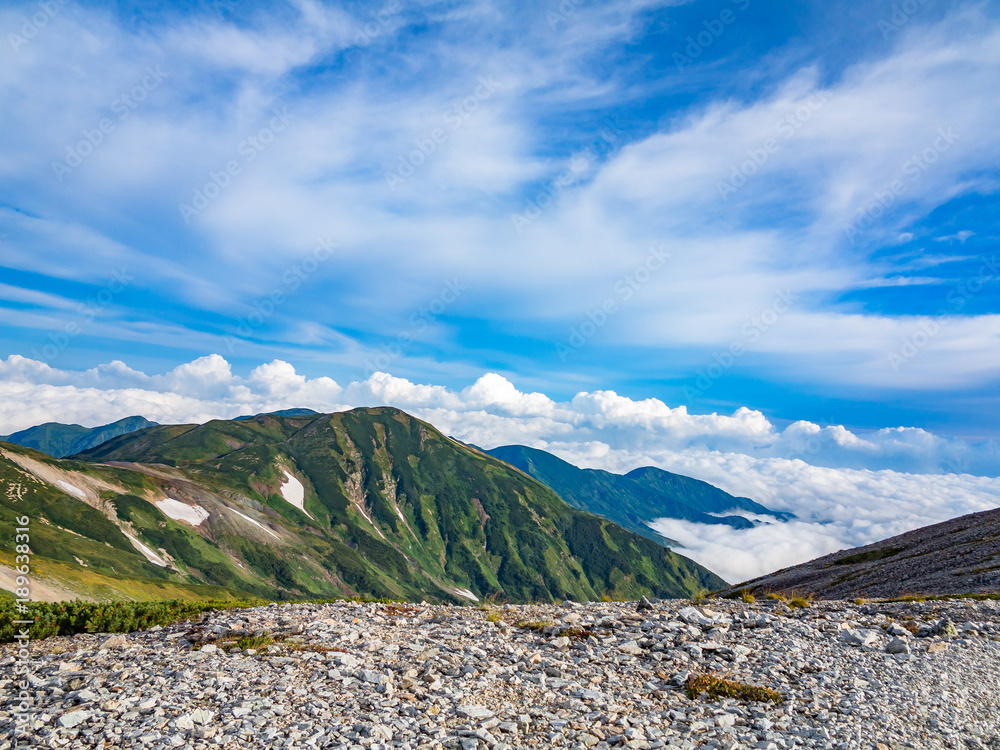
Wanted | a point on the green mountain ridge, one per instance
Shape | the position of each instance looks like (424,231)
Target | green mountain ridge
(634,499)
(390,507)
(61,440)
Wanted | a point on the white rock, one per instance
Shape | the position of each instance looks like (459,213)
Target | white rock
(74,718)
(470,711)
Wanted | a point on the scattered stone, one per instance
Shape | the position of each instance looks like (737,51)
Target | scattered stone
(475,712)
(856,637)
(897,630)
(898,646)
(115,641)
(73,719)
(363,675)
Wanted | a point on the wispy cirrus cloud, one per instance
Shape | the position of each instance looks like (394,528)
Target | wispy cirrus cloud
(816,143)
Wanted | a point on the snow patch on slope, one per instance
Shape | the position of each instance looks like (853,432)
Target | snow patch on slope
(178,511)
(255,523)
(150,555)
(293,491)
(71,488)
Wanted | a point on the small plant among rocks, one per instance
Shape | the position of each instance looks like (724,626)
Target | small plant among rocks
(747,597)
(254,641)
(799,602)
(716,687)
(775,597)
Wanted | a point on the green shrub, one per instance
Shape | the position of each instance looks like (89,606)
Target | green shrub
(254,641)
(70,618)
(716,687)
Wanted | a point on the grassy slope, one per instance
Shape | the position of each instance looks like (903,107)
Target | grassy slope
(95,585)
(66,531)
(441,516)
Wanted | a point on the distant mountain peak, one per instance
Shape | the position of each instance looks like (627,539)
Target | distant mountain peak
(61,440)
(295,412)
(635,499)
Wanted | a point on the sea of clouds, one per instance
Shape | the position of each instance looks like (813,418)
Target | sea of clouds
(845,489)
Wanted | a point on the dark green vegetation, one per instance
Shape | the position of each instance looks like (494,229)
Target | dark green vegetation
(280,413)
(637,497)
(393,509)
(61,440)
(70,618)
(715,688)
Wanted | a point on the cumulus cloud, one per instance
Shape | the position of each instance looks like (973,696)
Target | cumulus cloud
(490,411)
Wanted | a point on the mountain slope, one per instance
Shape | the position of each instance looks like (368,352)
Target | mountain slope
(370,501)
(960,556)
(60,440)
(637,497)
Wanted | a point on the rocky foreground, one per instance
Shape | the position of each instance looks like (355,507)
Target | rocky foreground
(351,675)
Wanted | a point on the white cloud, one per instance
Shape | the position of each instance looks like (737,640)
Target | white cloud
(741,555)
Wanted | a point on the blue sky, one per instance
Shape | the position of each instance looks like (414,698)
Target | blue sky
(714,204)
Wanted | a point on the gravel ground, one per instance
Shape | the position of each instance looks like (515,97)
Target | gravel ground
(597,675)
